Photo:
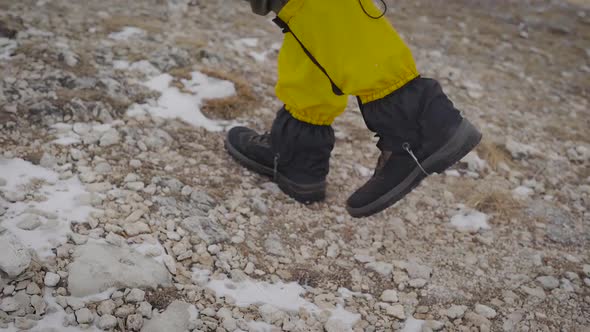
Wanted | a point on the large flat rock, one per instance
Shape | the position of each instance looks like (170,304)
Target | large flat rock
(98,267)
(14,256)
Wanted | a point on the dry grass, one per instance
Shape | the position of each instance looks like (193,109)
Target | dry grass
(116,23)
(231,107)
(494,154)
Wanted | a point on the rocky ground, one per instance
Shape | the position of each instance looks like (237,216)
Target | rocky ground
(120,210)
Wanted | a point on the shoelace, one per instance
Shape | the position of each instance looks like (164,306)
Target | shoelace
(276,166)
(406,146)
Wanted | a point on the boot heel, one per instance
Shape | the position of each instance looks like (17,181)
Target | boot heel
(303,193)
(465,139)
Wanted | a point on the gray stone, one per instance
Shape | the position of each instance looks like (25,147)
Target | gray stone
(389,295)
(176,318)
(418,271)
(33,289)
(384,269)
(106,307)
(9,304)
(98,267)
(110,137)
(561,227)
(39,304)
(135,295)
(206,229)
(548,282)
(136,228)
(456,311)
(134,322)
(485,311)
(274,245)
(14,256)
(84,316)
(396,310)
(145,309)
(107,322)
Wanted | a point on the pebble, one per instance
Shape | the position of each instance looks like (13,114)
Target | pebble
(548,282)
(169,263)
(384,269)
(389,295)
(485,311)
(9,304)
(136,228)
(33,289)
(135,295)
(22,323)
(145,309)
(106,307)
(417,283)
(39,304)
(418,271)
(456,311)
(84,316)
(396,310)
(107,322)
(110,137)
(134,322)
(51,279)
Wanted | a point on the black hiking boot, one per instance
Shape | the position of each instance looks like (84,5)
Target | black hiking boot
(420,132)
(295,154)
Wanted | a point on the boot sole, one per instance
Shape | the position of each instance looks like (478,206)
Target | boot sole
(465,139)
(303,193)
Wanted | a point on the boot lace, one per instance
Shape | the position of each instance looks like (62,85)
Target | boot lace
(261,139)
(406,146)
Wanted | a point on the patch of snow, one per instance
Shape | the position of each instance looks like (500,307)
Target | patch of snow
(364,171)
(286,297)
(470,221)
(127,33)
(474,162)
(246,42)
(65,203)
(413,325)
(453,172)
(151,248)
(174,103)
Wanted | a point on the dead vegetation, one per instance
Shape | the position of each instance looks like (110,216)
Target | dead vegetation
(242,103)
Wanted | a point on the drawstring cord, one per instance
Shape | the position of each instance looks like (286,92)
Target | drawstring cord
(408,149)
(371,16)
(276,166)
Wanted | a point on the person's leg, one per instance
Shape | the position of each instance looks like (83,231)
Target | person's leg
(419,128)
(296,152)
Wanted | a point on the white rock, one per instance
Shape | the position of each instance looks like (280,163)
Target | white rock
(114,239)
(33,289)
(106,307)
(586,269)
(134,216)
(135,186)
(84,316)
(9,304)
(75,303)
(417,283)
(98,267)
(418,271)
(396,310)
(134,322)
(384,269)
(14,256)
(39,304)
(136,228)
(135,295)
(333,251)
(389,295)
(145,309)
(548,282)
(485,311)
(107,322)
(170,263)
(456,311)
(110,137)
